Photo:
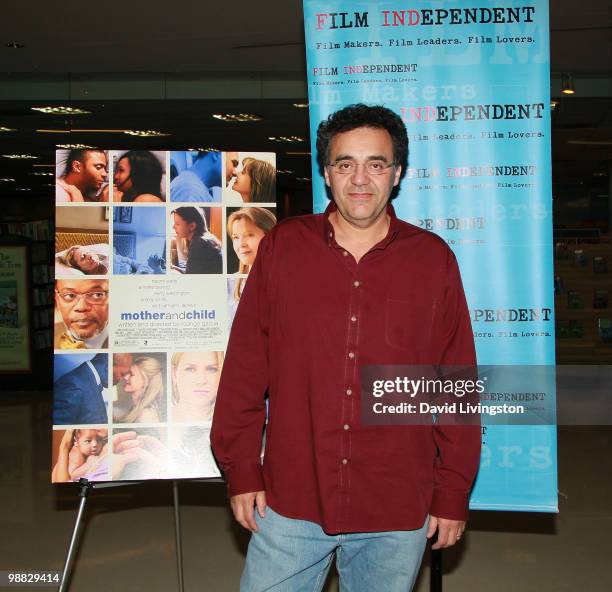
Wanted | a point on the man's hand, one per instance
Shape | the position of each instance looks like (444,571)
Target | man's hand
(449,531)
(242,506)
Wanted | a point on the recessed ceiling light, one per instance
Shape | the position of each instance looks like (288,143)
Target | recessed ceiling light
(554,104)
(300,105)
(286,139)
(237,117)
(303,179)
(19,156)
(22,189)
(283,172)
(203,149)
(7,180)
(73,146)
(145,133)
(41,174)
(14,45)
(61,110)
(49,185)
(7,129)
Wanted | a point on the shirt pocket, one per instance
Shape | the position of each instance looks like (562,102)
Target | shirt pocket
(408,322)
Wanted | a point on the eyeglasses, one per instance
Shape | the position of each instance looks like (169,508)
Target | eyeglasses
(372,167)
(94,297)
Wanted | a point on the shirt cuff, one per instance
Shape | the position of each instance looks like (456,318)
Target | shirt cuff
(244,478)
(452,505)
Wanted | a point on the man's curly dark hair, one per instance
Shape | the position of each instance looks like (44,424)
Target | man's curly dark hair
(359,115)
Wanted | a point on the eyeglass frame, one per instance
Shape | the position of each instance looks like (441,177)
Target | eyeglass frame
(83,295)
(387,166)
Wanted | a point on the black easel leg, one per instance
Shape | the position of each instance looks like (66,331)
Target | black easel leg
(76,533)
(435,573)
(177,525)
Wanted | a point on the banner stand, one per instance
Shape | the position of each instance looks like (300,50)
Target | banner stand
(85,487)
(435,571)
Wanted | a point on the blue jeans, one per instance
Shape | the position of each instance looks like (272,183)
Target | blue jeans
(289,555)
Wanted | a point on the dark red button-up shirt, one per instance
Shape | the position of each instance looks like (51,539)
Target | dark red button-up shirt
(309,317)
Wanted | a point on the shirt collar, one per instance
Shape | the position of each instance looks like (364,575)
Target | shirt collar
(394,225)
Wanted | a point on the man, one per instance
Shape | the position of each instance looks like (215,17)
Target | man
(231,165)
(77,395)
(83,306)
(84,175)
(201,181)
(328,294)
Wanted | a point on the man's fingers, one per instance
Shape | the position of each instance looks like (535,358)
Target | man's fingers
(260,502)
(243,506)
(449,532)
(433,525)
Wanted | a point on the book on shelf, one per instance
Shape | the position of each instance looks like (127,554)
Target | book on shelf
(580,259)
(600,265)
(573,299)
(600,299)
(604,329)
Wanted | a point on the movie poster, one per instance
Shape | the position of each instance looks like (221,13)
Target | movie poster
(152,252)
(14,310)
(471,82)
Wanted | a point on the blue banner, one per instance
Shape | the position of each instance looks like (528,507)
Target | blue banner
(471,81)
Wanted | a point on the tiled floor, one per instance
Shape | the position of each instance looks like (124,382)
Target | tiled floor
(129,543)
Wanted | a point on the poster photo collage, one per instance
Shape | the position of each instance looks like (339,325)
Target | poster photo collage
(152,253)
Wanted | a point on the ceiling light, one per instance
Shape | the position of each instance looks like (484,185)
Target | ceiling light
(203,150)
(283,172)
(6,129)
(237,117)
(303,179)
(7,180)
(286,139)
(36,174)
(22,189)
(300,105)
(14,45)
(554,104)
(145,133)
(19,156)
(567,86)
(61,110)
(73,146)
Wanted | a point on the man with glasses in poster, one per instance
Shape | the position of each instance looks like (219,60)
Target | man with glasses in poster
(328,294)
(83,306)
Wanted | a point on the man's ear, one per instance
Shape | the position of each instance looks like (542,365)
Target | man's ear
(76,166)
(326,176)
(398,174)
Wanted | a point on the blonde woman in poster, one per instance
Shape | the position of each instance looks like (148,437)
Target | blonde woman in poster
(195,378)
(142,391)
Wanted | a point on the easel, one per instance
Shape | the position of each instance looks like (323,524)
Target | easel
(85,488)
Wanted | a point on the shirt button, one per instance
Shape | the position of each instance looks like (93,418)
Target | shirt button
(344,461)
(349,391)
(345,253)
(356,283)
(354,319)
(346,426)
(351,355)
(331,234)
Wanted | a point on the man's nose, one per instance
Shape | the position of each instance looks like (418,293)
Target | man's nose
(360,175)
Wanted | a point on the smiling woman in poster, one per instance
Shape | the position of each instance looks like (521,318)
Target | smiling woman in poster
(198,249)
(195,378)
(245,227)
(144,386)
